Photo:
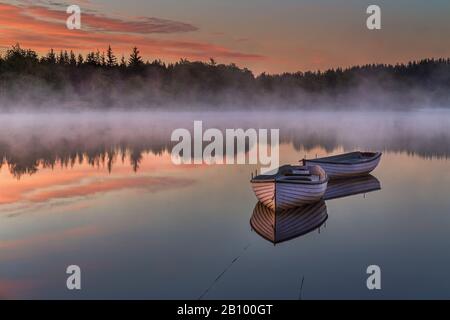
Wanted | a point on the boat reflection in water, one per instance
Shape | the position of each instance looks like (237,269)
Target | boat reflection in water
(278,225)
(341,188)
(283,225)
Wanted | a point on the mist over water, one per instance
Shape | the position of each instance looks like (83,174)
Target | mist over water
(50,83)
(29,140)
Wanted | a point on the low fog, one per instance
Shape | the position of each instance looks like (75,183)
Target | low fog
(63,109)
(67,82)
(28,141)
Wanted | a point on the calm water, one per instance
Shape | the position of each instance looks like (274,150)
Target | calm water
(101,192)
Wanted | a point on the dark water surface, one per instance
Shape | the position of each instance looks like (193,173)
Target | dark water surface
(101,192)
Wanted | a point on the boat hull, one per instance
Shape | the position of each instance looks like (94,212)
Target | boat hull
(282,195)
(337,170)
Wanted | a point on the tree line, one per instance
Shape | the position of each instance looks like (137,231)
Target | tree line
(102,80)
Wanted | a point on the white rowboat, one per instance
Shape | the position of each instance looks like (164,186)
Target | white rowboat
(346,165)
(291,186)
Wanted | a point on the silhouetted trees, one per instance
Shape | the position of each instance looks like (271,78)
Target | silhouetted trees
(73,59)
(99,80)
(80,60)
(111,58)
(135,61)
(123,63)
(51,57)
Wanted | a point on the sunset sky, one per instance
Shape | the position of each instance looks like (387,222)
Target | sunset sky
(263,35)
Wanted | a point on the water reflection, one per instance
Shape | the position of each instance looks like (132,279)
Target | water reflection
(102,192)
(66,186)
(279,226)
(283,225)
(342,188)
(26,143)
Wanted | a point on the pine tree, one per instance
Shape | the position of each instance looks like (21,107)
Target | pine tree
(73,59)
(111,58)
(61,57)
(51,57)
(66,57)
(80,59)
(135,60)
(123,63)
(90,58)
(97,58)
(103,59)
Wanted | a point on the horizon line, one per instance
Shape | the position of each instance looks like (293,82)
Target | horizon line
(4,49)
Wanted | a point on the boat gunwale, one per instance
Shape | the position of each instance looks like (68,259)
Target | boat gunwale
(324,160)
(277,178)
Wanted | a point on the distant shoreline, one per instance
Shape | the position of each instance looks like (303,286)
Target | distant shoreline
(66,81)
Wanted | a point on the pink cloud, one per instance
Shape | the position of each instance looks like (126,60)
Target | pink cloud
(40,28)
(95,22)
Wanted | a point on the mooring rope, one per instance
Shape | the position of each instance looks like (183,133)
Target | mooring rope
(223,272)
(301,289)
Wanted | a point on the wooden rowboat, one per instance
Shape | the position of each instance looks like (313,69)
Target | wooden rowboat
(341,188)
(283,225)
(291,186)
(347,165)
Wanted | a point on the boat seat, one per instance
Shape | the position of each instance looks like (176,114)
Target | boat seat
(301,177)
(300,172)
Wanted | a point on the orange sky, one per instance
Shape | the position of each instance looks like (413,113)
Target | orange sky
(263,35)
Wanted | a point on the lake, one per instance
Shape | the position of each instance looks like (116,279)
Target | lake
(100,191)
